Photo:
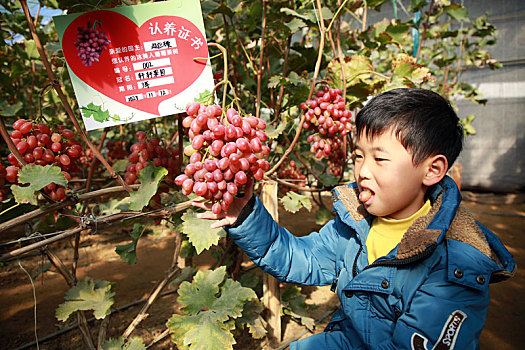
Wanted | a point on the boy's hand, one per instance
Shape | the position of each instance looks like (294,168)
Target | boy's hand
(229,217)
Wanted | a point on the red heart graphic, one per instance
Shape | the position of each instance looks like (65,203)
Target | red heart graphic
(141,66)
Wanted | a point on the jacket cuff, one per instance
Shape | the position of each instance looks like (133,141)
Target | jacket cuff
(245,212)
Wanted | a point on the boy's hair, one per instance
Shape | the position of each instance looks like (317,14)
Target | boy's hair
(422,120)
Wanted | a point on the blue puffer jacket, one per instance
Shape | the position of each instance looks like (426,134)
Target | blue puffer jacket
(430,292)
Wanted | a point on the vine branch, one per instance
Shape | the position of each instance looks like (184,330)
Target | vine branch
(106,220)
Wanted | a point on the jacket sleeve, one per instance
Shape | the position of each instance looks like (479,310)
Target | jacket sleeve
(442,315)
(304,260)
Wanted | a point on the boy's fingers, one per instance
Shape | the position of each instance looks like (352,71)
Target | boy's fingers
(202,205)
(218,224)
(209,216)
(221,223)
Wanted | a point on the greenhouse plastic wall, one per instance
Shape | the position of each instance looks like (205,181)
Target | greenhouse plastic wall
(494,159)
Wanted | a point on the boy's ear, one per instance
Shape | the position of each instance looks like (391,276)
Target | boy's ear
(436,169)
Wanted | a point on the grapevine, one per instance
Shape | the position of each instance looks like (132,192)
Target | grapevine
(226,149)
(90,44)
(40,145)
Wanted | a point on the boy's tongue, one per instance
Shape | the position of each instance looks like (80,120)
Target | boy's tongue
(365,195)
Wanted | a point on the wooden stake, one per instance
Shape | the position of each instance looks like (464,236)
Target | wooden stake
(271,293)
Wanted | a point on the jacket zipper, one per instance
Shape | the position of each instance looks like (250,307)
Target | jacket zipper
(354,271)
(354,268)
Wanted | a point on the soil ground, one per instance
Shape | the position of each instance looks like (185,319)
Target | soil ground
(505,215)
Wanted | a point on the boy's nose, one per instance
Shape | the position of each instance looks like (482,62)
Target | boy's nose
(364,171)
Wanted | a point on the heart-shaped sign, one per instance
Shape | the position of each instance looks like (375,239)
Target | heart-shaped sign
(139,66)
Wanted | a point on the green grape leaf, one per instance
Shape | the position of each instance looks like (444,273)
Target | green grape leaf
(113,206)
(7,110)
(295,79)
(119,343)
(149,178)
(296,14)
(257,327)
(200,332)
(209,309)
(201,292)
(251,316)
(468,128)
(231,301)
(250,280)
(88,294)
(323,215)
(416,5)
(37,177)
(208,6)
(328,179)
(292,202)
(128,252)
(199,232)
(120,165)
(293,303)
(135,343)
(457,12)
(274,81)
(295,25)
(397,32)
(113,344)
(273,132)
(357,69)
(31,50)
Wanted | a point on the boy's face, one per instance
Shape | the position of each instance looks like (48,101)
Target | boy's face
(384,167)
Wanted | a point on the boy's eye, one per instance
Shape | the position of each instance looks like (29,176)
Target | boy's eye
(380,159)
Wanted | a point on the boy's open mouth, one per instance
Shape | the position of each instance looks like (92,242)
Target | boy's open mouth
(366,196)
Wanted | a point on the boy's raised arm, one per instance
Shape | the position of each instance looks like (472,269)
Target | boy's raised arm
(306,260)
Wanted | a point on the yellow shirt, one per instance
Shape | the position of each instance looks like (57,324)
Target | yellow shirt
(385,234)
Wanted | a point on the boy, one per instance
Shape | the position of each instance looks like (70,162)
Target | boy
(410,265)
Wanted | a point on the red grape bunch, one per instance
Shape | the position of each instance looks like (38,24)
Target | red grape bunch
(90,44)
(291,172)
(150,151)
(328,118)
(40,145)
(226,149)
